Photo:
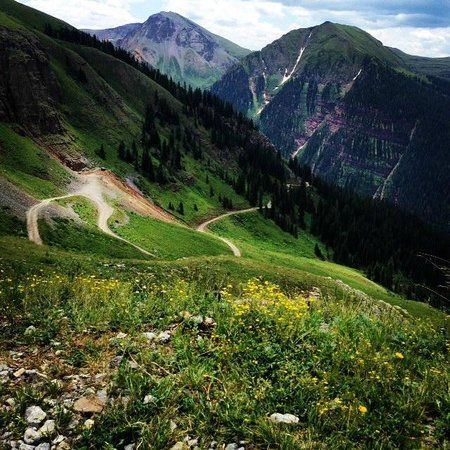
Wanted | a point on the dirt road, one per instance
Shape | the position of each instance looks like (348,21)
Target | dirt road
(203,228)
(92,187)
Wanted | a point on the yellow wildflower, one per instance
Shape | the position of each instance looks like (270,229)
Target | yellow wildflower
(362,409)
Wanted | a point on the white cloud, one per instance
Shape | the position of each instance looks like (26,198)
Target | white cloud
(87,13)
(431,42)
(252,24)
(256,23)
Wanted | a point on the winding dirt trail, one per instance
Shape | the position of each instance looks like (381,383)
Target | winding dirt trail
(92,187)
(203,228)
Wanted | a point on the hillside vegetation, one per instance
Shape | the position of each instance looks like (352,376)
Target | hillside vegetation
(129,329)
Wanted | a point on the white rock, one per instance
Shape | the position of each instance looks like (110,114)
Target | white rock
(150,336)
(149,399)
(58,439)
(30,330)
(31,436)
(34,415)
(11,402)
(24,446)
(88,424)
(129,447)
(232,446)
(43,446)
(284,418)
(121,335)
(164,337)
(49,427)
(196,319)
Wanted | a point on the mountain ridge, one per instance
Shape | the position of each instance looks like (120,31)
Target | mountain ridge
(177,46)
(300,89)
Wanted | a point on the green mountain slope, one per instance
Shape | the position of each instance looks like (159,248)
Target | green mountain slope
(301,90)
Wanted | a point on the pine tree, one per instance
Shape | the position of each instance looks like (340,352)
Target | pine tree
(101,152)
(122,151)
(318,252)
(181,208)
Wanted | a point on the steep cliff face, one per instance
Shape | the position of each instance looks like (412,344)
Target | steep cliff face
(354,112)
(29,91)
(178,47)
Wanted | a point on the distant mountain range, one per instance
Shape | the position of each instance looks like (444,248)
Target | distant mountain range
(359,114)
(178,47)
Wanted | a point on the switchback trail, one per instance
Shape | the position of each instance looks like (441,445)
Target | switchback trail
(91,188)
(203,228)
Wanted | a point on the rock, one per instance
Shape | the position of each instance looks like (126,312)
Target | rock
(43,446)
(150,336)
(209,322)
(129,447)
(213,445)
(11,402)
(192,442)
(197,320)
(232,446)
(24,446)
(132,364)
(30,330)
(19,373)
(91,404)
(149,399)
(58,439)
(88,424)
(49,427)
(164,337)
(115,362)
(284,418)
(31,436)
(173,426)
(121,335)
(63,446)
(34,415)
(179,446)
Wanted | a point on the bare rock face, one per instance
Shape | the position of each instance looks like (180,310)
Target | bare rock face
(178,47)
(29,91)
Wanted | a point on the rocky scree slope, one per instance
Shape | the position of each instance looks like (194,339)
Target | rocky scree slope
(178,47)
(359,114)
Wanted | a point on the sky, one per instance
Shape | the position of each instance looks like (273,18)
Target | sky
(419,27)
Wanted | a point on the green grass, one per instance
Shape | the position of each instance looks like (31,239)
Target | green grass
(66,234)
(169,241)
(356,374)
(28,166)
(262,241)
(83,207)
(11,225)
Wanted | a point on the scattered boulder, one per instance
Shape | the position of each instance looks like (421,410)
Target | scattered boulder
(19,373)
(49,427)
(34,415)
(180,446)
(43,446)
(24,446)
(149,335)
(90,404)
(149,399)
(164,337)
(88,424)
(31,436)
(30,330)
(284,418)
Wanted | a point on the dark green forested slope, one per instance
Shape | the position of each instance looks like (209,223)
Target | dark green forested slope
(354,112)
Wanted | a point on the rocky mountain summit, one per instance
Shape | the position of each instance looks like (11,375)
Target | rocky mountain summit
(178,47)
